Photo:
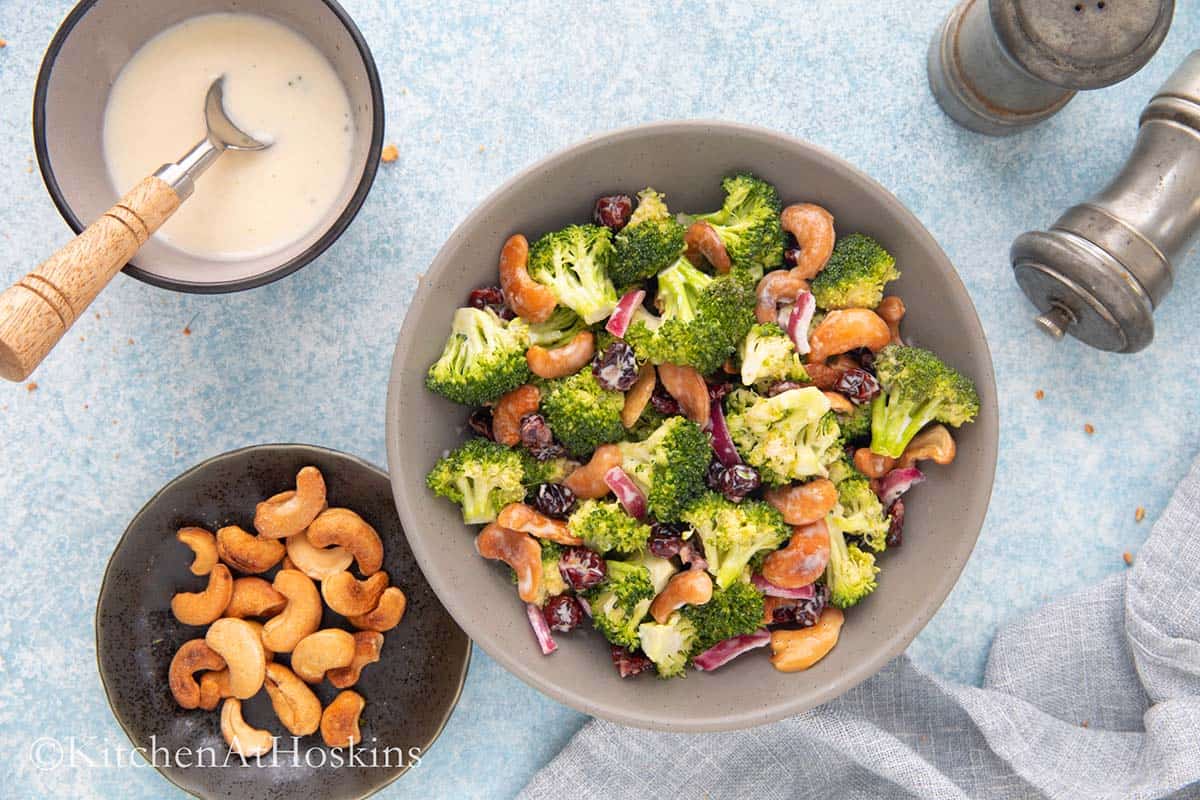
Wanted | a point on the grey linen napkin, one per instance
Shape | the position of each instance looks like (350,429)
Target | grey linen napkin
(1094,696)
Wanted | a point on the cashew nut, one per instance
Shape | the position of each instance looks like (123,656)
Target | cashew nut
(530,300)
(803,560)
(510,409)
(804,503)
(240,644)
(214,687)
(873,465)
(638,395)
(342,527)
(254,597)
(315,562)
(891,310)
(295,704)
(299,618)
(703,243)
(247,553)
(203,545)
(367,647)
(523,518)
(520,551)
(561,361)
(201,608)
(687,386)
(348,596)
(242,739)
(322,651)
(587,482)
(795,650)
(775,288)
(826,376)
(288,513)
(934,443)
(848,329)
(190,658)
(339,721)
(838,402)
(691,587)
(812,226)
(268,653)
(386,615)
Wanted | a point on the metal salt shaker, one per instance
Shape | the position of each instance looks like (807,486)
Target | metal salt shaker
(1000,66)
(1107,263)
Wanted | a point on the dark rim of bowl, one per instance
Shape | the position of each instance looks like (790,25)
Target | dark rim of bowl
(367,465)
(254,281)
(893,644)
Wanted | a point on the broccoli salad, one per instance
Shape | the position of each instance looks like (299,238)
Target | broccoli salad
(693,432)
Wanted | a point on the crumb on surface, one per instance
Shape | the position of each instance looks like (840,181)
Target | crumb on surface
(1039,394)
(1083,724)
(1089,428)
(131,341)
(390,153)
(482,148)
(1128,558)
(31,386)
(3,43)
(1139,514)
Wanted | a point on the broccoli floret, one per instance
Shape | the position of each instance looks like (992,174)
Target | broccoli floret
(733,532)
(855,274)
(558,330)
(650,243)
(554,470)
(582,414)
(552,583)
(574,263)
(859,513)
(918,388)
(768,354)
(646,424)
(483,358)
(604,526)
(669,466)
(843,470)
(856,426)
(731,612)
(851,571)
(703,318)
(668,645)
(483,477)
(620,603)
(748,224)
(790,436)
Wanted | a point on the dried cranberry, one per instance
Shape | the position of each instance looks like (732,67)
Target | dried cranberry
(866,357)
(895,534)
(791,257)
(665,539)
(663,402)
(712,478)
(802,612)
(738,481)
(613,211)
(692,554)
(717,391)
(581,568)
(480,421)
(538,439)
(782,386)
(616,368)
(858,385)
(486,296)
(562,613)
(628,663)
(553,500)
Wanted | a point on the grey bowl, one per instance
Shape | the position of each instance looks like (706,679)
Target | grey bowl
(410,692)
(687,160)
(91,46)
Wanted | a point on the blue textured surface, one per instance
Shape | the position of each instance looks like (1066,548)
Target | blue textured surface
(128,401)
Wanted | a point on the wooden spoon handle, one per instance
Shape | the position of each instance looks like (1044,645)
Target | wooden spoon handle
(37,310)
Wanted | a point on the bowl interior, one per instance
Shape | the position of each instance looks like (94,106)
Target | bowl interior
(99,38)
(687,162)
(409,693)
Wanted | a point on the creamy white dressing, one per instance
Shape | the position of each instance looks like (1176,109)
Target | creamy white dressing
(278,88)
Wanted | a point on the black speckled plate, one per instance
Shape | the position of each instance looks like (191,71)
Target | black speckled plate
(409,693)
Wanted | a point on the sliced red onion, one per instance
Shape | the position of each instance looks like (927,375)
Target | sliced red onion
(541,629)
(692,554)
(722,442)
(896,483)
(627,492)
(799,320)
(722,653)
(768,588)
(622,315)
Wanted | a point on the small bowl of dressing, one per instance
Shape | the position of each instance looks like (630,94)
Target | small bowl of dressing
(121,91)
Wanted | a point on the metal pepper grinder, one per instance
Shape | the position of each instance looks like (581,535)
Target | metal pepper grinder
(1000,66)
(1106,264)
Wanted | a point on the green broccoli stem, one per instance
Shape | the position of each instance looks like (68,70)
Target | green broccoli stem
(894,422)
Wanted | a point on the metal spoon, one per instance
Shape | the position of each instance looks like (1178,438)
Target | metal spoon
(36,311)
